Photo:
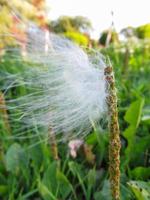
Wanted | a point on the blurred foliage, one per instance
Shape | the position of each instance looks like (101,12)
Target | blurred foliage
(75,28)
(5,24)
(29,171)
(128,32)
(143,31)
(66,23)
(77,37)
(12,15)
(107,37)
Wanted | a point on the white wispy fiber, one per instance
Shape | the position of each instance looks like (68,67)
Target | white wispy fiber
(65,87)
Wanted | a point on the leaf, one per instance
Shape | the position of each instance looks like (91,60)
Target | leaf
(77,171)
(129,134)
(146,119)
(140,147)
(133,114)
(3,189)
(105,193)
(140,189)
(49,179)
(126,194)
(91,177)
(35,154)
(55,184)
(141,173)
(16,158)
(65,186)
(91,180)
(91,139)
(30,193)
(45,192)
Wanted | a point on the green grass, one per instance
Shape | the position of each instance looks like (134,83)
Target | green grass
(32,173)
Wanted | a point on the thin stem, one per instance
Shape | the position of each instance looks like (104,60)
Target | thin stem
(114,144)
(3,112)
(53,144)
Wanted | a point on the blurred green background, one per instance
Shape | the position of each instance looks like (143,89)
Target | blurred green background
(34,173)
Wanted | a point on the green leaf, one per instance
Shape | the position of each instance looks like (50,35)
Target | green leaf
(65,186)
(50,179)
(3,189)
(16,158)
(129,134)
(45,192)
(77,171)
(140,173)
(140,147)
(35,154)
(91,177)
(105,193)
(146,119)
(126,194)
(133,114)
(91,139)
(91,180)
(140,189)
(30,193)
(55,184)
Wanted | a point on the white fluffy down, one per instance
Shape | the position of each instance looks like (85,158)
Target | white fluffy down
(68,86)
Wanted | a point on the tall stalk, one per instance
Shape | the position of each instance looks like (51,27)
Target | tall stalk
(114,144)
(3,112)
(53,143)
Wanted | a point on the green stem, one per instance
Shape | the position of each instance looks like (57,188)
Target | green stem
(114,144)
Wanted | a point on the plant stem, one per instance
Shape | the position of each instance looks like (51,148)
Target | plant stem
(114,144)
(3,112)
(53,143)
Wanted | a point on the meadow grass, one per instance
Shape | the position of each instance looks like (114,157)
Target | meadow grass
(28,170)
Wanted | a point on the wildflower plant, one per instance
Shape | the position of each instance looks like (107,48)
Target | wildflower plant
(67,91)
